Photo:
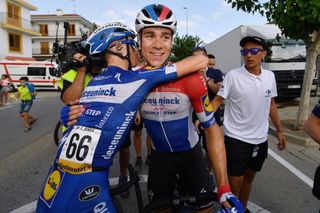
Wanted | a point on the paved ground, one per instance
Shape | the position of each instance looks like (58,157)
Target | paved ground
(288,111)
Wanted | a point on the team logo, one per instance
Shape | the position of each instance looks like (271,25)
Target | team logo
(89,193)
(206,103)
(52,184)
(268,92)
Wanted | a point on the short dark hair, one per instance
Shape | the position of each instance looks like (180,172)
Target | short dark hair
(211,56)
(200,48)
(25,78)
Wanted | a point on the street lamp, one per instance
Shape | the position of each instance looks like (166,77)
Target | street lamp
(185,8)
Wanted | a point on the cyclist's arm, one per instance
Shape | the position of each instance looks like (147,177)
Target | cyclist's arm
(216,102)
(217,153)
(276,121)
(213,86)
(191,64)
(312,127)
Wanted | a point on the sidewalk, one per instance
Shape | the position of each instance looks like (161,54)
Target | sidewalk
(288,111)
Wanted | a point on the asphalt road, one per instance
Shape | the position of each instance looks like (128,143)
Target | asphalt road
(25,159)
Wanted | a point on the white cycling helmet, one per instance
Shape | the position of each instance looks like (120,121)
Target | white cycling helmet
(156,15)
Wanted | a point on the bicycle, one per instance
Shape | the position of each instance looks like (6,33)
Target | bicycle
(133,180)
(185,203)
(182,202)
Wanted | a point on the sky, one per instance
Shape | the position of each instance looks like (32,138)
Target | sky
(208,19)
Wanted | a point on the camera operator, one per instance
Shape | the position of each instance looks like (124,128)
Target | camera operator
(76,79)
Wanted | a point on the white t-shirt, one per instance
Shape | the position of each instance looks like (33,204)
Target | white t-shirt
(247,104)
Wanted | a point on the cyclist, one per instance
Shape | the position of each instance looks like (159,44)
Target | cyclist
(72,84)
(77,180)
(167,114)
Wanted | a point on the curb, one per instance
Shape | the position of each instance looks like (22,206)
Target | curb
(302,141)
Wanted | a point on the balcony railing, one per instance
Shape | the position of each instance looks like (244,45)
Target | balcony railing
(52,33)
(6,18)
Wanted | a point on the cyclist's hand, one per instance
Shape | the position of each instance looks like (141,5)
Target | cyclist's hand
(197,125)
(64,115)
(137,119)
(228,200)
(75,112)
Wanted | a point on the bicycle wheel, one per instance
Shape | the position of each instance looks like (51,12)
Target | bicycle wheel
(117,204)
(58,133)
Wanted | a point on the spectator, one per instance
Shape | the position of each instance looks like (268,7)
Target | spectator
(26,103)
(249,93)
(137,128)
(213,88)
(312,128)
(312,125)
(5,88)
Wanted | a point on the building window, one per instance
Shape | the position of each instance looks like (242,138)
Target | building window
(14,15)
(14,42)
(72,30)
(44,47)
(44,29)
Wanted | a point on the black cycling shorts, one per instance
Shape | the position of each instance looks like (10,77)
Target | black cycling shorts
(126,144)
(136,127)
(189,165)
(242,155)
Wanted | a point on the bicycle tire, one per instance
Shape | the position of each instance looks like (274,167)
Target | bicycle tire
(57,134)
(117,204)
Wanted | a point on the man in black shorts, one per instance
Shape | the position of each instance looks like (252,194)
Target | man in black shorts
(249,93)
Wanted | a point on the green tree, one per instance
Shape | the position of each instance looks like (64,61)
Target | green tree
(182,46)
(297,19)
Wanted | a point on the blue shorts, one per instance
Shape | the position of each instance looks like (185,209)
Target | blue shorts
(65,192)
(25,106)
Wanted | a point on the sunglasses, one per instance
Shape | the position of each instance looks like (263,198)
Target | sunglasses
(130,42)
(252,51)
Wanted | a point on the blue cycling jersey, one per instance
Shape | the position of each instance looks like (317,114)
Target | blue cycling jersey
(111,101)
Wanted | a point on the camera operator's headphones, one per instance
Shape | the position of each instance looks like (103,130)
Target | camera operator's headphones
(99,41)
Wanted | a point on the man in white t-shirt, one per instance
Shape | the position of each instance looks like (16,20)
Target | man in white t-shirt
(249,93)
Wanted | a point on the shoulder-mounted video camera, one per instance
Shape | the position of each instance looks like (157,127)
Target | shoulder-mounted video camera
(63,53)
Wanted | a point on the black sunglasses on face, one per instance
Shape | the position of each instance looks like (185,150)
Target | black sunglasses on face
(252,51)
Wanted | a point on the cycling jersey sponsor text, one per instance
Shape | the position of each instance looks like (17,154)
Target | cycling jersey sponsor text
(119,134)
(162,101)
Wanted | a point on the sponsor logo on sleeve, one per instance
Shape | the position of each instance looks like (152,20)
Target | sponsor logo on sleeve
(51,186)
(206,104)
(171,68)
(110,93)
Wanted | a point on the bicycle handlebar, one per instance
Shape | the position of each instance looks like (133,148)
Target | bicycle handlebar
(179,201)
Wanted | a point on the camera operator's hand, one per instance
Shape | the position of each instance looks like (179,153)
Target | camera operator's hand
(78,60)
(79,57)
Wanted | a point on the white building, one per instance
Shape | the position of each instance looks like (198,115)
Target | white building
(16,29)
(51,25)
